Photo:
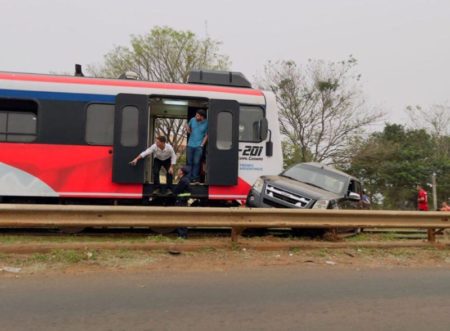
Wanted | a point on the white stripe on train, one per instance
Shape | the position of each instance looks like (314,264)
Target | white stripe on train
(114,90)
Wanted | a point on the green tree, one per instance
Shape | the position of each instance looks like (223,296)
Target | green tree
(391,163)
(292,154)
(321,108)
(163,55)
(436,121)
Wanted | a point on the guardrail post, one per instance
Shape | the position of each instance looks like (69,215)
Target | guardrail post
(431,235)
(235,233)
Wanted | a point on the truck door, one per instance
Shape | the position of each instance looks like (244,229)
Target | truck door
(130,137)
(223,142)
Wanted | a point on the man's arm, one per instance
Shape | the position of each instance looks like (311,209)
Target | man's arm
(187,127)
(205,139)
(173,160)
(135,160)
(144,154)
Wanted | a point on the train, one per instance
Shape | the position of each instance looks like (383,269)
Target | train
(70,138)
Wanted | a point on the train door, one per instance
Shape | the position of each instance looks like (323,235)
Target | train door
(223,142)
(168,118)
(130,137)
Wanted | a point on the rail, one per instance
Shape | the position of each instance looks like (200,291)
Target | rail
(56,216)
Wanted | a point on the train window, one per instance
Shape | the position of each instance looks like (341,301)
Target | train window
(224,131)
(249,117)
(99,124)
(3,122)
(18,120)
(18,126)
(129,133)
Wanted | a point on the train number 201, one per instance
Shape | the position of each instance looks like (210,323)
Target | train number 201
(252,151)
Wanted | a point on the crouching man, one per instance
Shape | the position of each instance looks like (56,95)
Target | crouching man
(163,156)
(182,193)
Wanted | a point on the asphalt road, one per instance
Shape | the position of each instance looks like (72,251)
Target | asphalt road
(275,298)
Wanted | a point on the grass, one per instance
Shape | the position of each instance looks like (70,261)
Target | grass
(65,258)
(364,237)
(58,260)
(56,257)
(161,238)
(6,239)
(235,247)
(62,257)
(402,253)
(35,239)
(322,252)
(123,258)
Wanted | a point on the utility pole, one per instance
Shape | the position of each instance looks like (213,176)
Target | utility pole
(433,182)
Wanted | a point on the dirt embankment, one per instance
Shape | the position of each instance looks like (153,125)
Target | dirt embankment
(212,259)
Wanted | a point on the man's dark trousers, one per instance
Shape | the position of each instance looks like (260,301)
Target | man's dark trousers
(157,164)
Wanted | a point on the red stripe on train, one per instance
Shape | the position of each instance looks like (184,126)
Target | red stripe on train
(237,192)
(68,168)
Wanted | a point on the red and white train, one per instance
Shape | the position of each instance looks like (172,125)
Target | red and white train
(71,137)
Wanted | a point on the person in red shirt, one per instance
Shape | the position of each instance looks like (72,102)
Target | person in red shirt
(422,199)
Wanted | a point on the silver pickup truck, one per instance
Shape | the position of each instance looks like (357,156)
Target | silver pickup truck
(307,185)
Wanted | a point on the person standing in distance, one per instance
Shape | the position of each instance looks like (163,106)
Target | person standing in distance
(197,128)
(163,156)
(365,200)
(422,199)
(444,206)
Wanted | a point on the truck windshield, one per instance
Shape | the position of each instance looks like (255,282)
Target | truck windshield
(318,177)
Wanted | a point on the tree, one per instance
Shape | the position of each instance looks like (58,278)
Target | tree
(390,164)
(435,119)
(321,107)
(292,154)
(163,55)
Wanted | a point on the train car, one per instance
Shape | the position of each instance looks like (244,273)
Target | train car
(66,138)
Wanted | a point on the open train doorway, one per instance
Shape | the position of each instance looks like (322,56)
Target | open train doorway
(140,120)
(168,118)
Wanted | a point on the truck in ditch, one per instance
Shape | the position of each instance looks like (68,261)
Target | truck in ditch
(307,185)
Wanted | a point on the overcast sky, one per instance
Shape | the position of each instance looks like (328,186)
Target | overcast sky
(403,46)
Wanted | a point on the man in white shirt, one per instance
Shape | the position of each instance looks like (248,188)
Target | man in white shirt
(163,156)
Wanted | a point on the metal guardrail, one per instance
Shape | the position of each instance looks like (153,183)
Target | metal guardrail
(47,216)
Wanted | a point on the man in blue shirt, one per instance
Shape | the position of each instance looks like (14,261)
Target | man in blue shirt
(198,135)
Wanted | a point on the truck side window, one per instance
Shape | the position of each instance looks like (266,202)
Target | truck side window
(355,187)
